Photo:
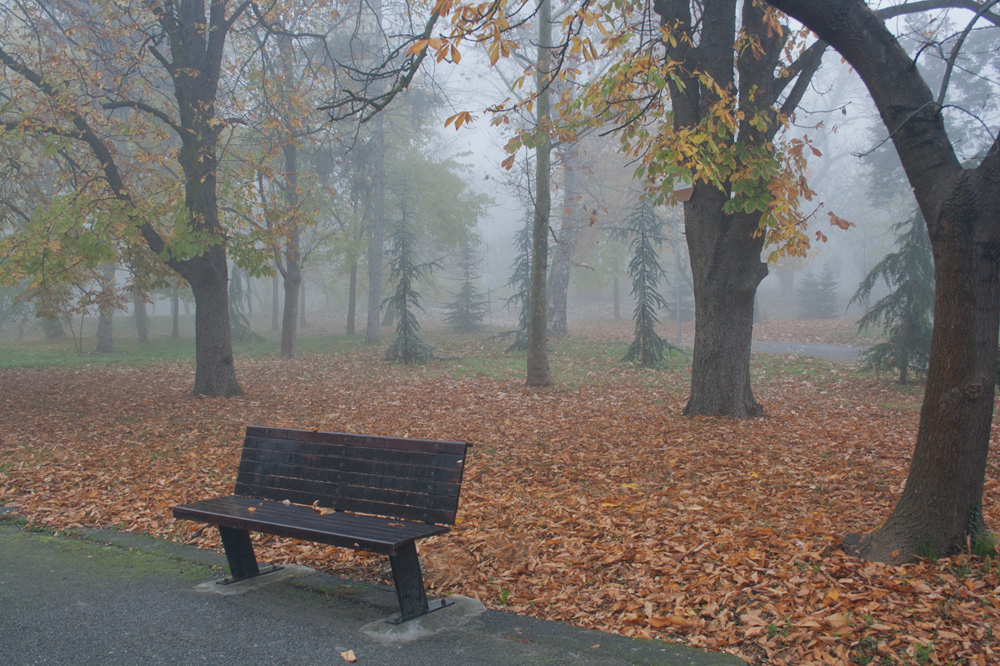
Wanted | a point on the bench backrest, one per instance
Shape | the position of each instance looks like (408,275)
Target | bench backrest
(407,479)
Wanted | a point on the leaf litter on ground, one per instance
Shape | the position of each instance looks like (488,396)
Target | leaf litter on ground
(597,504)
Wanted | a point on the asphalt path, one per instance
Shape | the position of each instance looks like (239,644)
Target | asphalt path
(829,352)
(108,599)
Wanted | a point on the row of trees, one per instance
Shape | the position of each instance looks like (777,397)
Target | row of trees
(175,140)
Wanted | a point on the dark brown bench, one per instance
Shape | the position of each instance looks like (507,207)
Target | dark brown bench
(386,493)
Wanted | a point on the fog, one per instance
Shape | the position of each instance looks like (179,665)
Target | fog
(856,177)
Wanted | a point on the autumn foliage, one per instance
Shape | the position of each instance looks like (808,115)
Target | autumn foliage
(594,502)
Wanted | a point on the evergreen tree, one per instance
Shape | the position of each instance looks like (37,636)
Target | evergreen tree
(520,281)
(645,230)
(467,311)
(406,270)
(818,295)
(905,314)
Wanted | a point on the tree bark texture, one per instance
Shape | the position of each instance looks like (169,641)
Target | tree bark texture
(195,66)
(215,374)
(725,254)
(941,504)
(726,269)
(538,359)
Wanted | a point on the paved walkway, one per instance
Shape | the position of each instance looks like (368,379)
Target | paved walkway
(829,352)
(109,598)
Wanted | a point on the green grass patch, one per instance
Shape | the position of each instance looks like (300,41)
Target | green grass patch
(35,353)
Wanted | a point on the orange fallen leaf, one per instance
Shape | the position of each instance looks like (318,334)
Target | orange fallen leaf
(348,656)
(837,621)
(671,620)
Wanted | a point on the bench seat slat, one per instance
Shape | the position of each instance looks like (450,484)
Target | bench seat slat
(374,503)
(362,475)
(407,506)
(396,462)
(374,441)
(389,467)
(369,533)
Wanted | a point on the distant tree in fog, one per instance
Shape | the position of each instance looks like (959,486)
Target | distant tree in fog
(520,281)
(644,229)
(467,311)
(405,269)
(905,313)
(818,295)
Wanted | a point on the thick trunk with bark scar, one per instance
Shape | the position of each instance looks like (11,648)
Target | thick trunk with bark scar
(941,505)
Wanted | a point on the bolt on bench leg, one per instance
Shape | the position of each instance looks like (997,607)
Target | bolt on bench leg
(410,585)
(240,555)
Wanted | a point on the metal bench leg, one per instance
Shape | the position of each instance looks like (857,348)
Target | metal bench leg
(410,585)
(239,553)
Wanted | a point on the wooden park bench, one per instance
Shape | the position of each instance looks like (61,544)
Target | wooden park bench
(385,493)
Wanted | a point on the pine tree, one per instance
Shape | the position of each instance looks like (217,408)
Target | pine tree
(905,314)
(520,280)
(645,230)
(406,270)
(818,295)
(467,311)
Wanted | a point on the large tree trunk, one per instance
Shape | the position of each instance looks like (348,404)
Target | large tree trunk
(538,359)
(941,505)
(196,51)
(724,296)
(208,275)
(725,254)
(942,501)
